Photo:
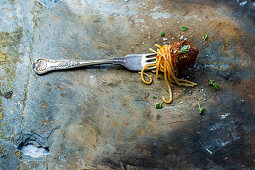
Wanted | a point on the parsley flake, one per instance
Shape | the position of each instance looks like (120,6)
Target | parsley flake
(162,34)
(204,37)
(184,49)
(183,28)
(201,109)
(214,84)
(158,106)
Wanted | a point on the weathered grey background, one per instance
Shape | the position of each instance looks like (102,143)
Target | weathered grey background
(104,116)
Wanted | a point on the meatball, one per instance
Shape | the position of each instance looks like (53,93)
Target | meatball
(183,58)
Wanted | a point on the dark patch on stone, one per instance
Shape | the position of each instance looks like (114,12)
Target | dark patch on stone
(7,154)
(48,3)
(158,117)
(143,97)
(111,163)
(112,83)
(2,151)
(18,154)
(210,141)
(32,138)
(6,95)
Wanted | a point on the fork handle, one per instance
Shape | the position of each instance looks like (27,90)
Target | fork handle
(42,66)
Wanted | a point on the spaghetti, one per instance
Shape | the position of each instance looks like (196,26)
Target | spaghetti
(167,63)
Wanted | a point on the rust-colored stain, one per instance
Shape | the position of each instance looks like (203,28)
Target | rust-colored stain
(249,90)
(170,147)
(43,105)
(119,138)
(44,123)
(126,122)
(18,154)
(115,124)
(142,132)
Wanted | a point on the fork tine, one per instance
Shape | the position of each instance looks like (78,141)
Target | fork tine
(136,62)
(151,62)
(150,55)
(151,68)
(151,58)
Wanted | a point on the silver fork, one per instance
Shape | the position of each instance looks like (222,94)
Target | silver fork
(133,62)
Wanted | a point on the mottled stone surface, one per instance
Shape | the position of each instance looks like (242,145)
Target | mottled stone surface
(104,116)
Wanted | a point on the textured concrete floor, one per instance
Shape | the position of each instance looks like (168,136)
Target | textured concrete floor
(104,116)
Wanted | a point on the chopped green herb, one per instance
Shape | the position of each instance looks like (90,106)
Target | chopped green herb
(154,97)
(214,84)
(158,106)
(183,28)
(201,109)
(162,34)
(184,49)
(204,37)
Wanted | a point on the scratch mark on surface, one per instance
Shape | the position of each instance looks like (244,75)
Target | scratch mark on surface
(224,116)
(224,143)
(209,151)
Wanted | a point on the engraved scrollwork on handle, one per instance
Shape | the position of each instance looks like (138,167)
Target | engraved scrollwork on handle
(42,66)
(68,63)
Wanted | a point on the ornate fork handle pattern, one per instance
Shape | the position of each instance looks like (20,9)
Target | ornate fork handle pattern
(42,66)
